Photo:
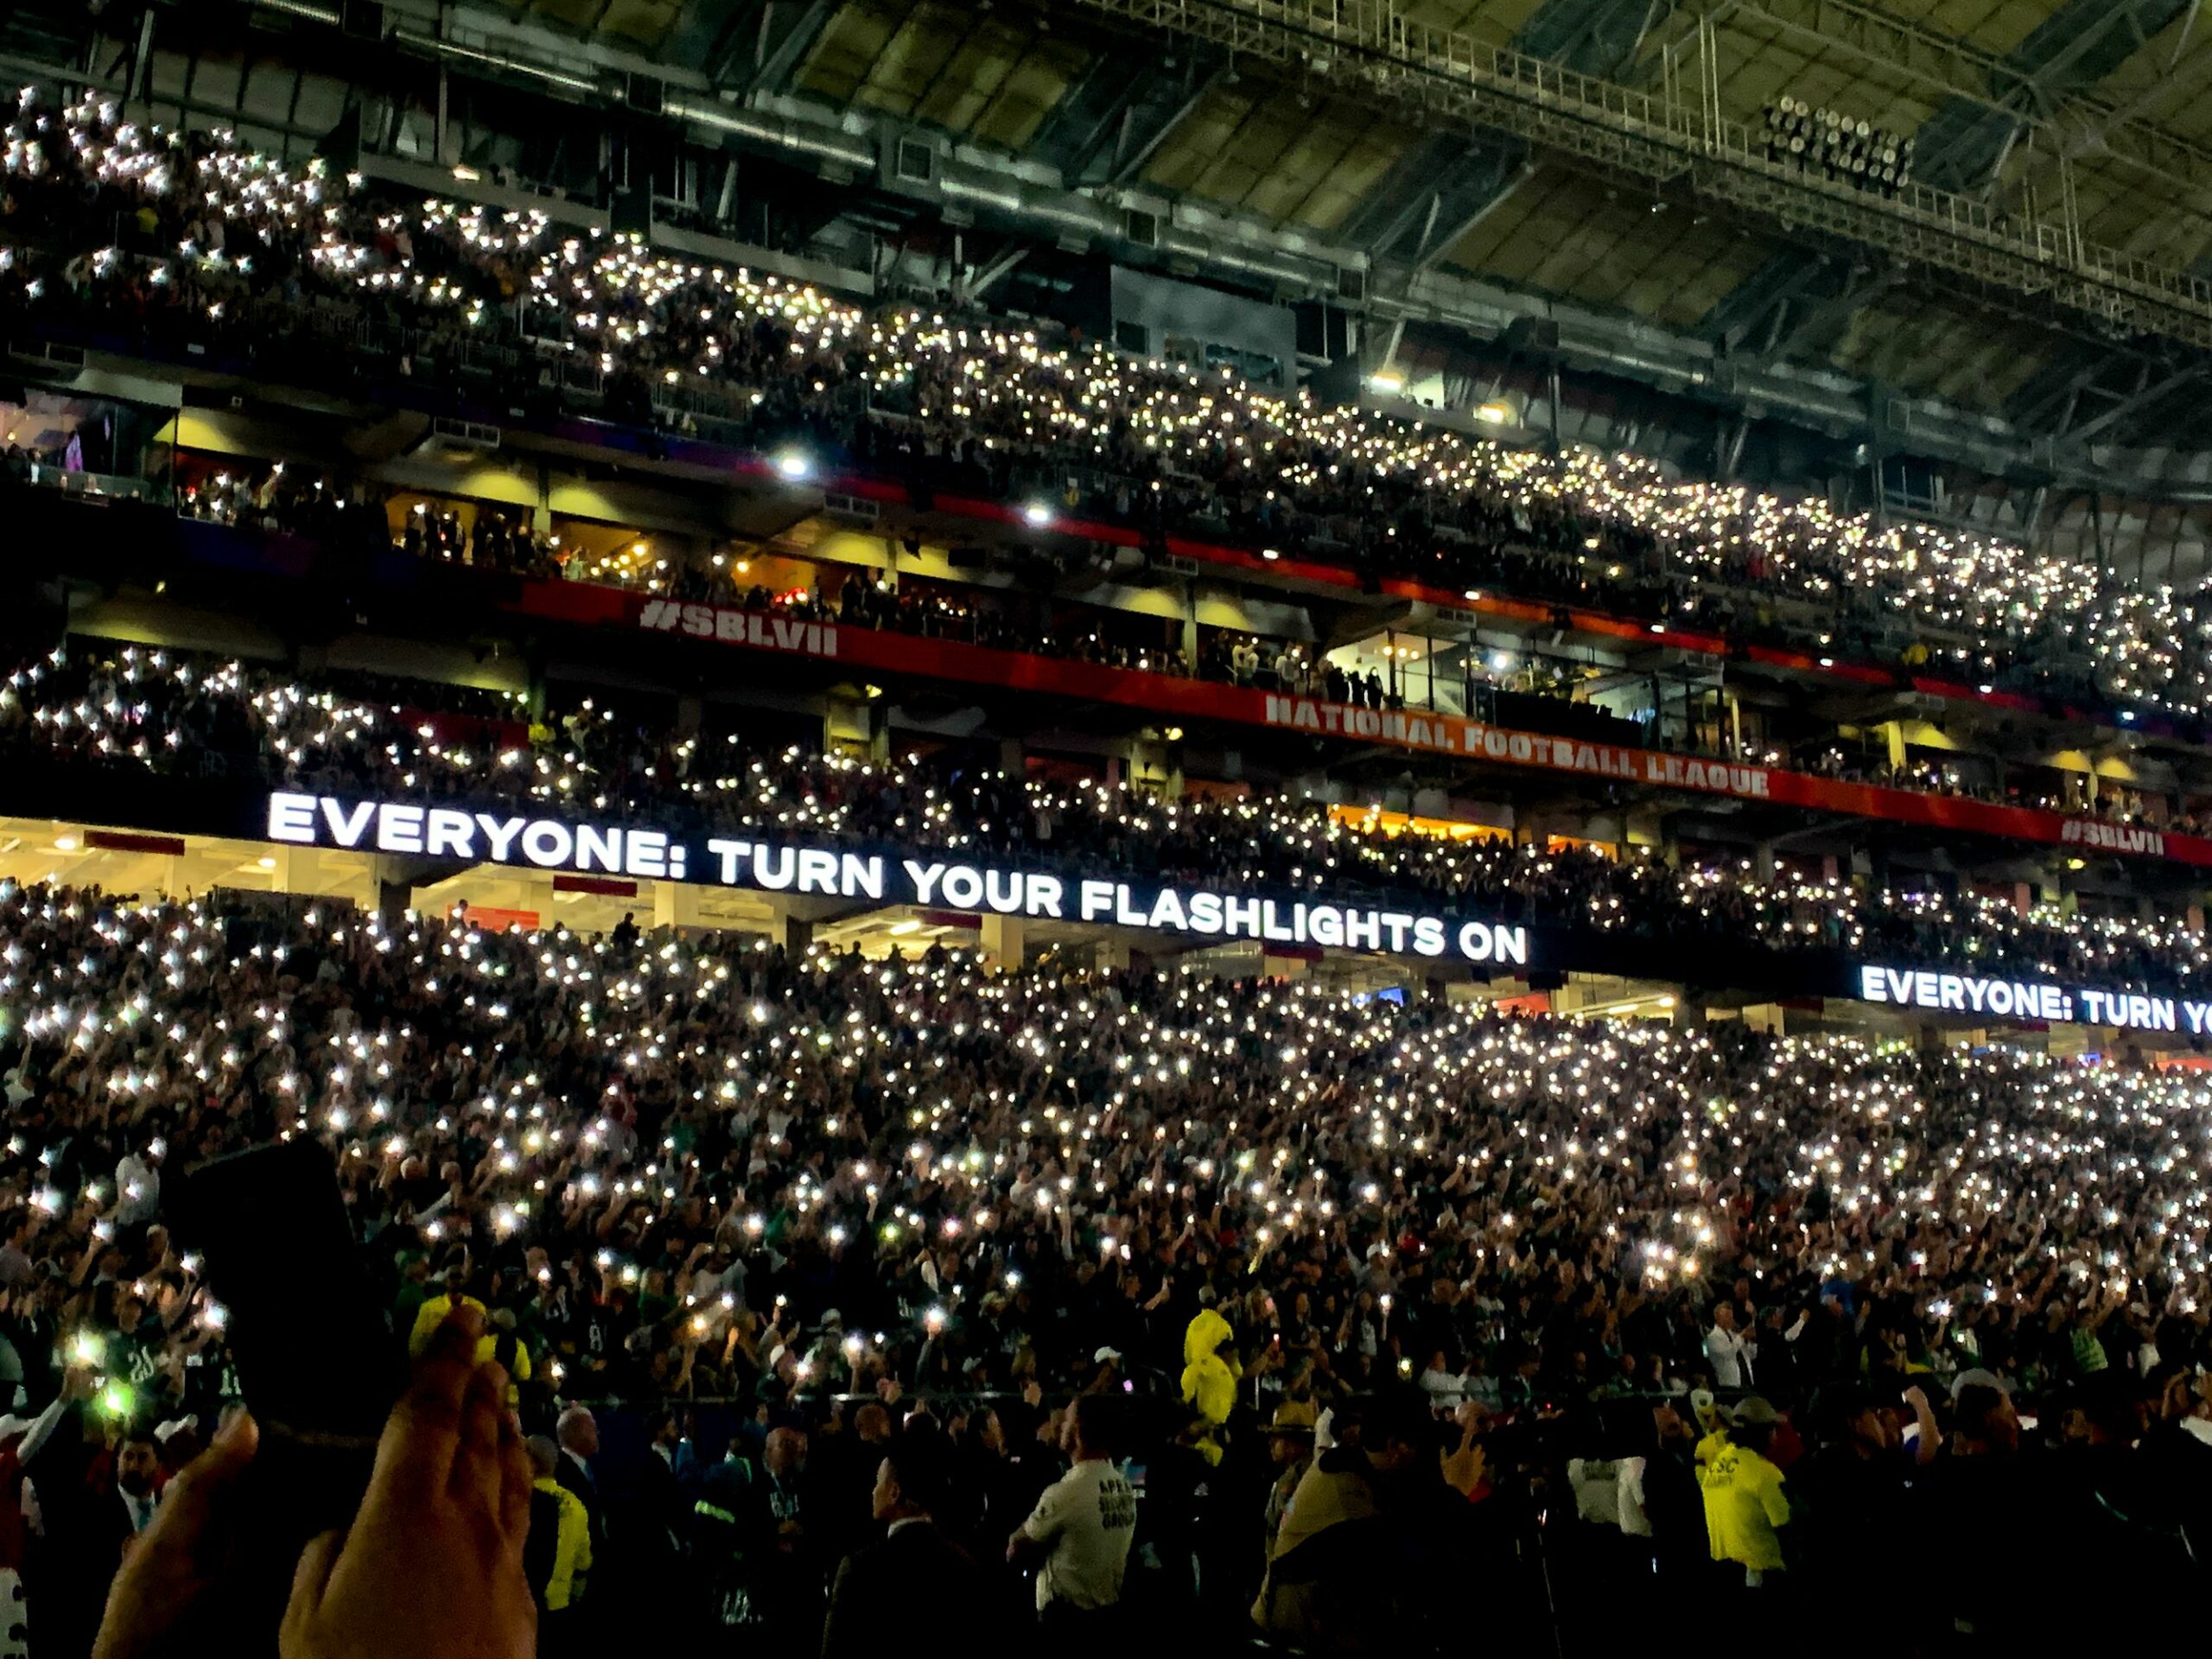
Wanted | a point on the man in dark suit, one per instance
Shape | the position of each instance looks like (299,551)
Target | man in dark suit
(85,1507)
(578,1433)
(881,1590)
(660,1510)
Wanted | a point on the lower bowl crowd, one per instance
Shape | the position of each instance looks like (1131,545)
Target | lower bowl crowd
(773,1243)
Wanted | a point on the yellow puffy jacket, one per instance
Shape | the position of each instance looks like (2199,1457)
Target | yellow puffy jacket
(1208,1381)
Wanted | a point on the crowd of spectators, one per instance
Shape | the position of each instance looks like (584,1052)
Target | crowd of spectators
(110,221)
(834,1292)
(133,708)
(284,500)
(772,1244)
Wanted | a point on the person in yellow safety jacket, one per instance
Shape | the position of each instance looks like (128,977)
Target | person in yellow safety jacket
(438,1309)
(499,1340)
(1209,1376)
(558,1557)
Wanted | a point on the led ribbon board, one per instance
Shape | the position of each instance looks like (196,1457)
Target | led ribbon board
(2129,1008)
(930,878)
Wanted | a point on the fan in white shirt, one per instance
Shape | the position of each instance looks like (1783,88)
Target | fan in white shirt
(1726,1350)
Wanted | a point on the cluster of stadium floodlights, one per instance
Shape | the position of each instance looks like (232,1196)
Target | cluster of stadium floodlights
(1831,143)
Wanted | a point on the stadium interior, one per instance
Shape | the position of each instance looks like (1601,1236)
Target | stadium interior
(1527,513)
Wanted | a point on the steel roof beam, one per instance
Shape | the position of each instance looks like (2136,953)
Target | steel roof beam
(1479,177)
(1398,200)
(1670,136)
(1460,185)
(2081,43)
(1084,120)
(1161,105)
(2058,390)
(730,42)
(1480,200)
(1594,37)
(788,29)
(1738,316)
(2144,397)
(1823,320)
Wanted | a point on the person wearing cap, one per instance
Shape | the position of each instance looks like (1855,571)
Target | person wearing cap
(1290,1443)
(1712,1426)
(1375,1541)
(1107,1376)
(1998,1513)
(1857,1483)
(1745,1507)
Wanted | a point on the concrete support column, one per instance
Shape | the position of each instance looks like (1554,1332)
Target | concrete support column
(856,723)
(675,903)
(1159,766)
(798,935)
(1005,942)
(2195,917)
(1013,759)
(1273,967)
(393,898)
(2024,897)
(1762,861)
(689,712)
(1764,1017)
